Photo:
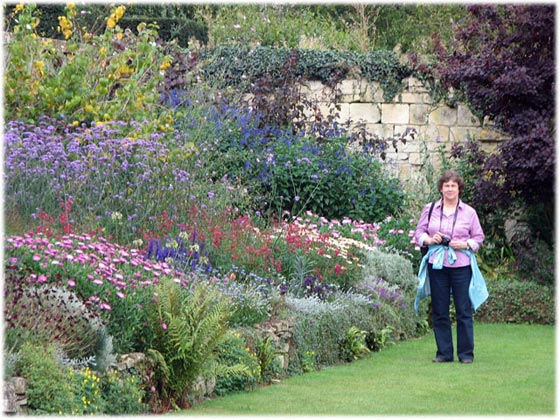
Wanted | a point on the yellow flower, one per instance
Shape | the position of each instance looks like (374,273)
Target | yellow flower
(125,70)
(20,7)
(65,26)
(166,64)
(115,17)
(119,12)
(39,67)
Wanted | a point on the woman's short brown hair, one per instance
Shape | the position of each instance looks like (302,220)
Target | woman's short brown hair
(451,175)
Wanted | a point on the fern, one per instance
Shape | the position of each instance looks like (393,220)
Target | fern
(189,326)
(238,369)
(266,353)
(356,341)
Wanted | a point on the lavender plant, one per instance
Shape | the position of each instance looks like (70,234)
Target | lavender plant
(289,167)
(113,181)
(319,326)
(394,269)
(250,302)
(186,254)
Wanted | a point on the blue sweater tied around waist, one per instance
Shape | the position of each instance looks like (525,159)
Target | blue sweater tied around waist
(478,293)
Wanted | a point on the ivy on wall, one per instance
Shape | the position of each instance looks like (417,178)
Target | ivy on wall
(239,66)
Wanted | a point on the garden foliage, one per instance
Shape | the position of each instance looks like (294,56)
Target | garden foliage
(502,60)
(168,217)
(189,325)
(116,75)
(283,170)
(223,63)
(516,301)
(63,390)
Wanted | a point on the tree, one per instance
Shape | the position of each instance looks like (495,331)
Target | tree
(502,60)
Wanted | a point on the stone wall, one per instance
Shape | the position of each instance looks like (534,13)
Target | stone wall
(279,331)
(437,125)
(15,399)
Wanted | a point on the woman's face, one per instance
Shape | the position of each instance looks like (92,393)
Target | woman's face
(450,190)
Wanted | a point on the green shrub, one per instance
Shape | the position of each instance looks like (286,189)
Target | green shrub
(321,327)
(223,64)
(395,269)
(332,181)
(235,350)
(534,261)
(353,345)
(50,387)
(123,393)
(55,388)
(283,171)
(514,301)
(109,77)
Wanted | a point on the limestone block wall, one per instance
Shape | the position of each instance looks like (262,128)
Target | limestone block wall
(437,125)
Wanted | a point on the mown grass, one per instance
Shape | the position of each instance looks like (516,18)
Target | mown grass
(513,374)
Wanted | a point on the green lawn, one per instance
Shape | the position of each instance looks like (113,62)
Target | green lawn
(513,374)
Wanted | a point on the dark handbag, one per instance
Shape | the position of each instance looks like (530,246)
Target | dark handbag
(424,249)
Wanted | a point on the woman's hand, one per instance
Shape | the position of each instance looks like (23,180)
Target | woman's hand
(462,245)
(438,237)
(434,240)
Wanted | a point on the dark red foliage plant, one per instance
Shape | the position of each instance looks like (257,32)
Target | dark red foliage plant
(502,60)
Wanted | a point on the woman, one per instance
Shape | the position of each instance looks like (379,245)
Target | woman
(453,233)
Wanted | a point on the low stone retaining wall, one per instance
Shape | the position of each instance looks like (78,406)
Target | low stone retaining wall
(15,399)
(279,331)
